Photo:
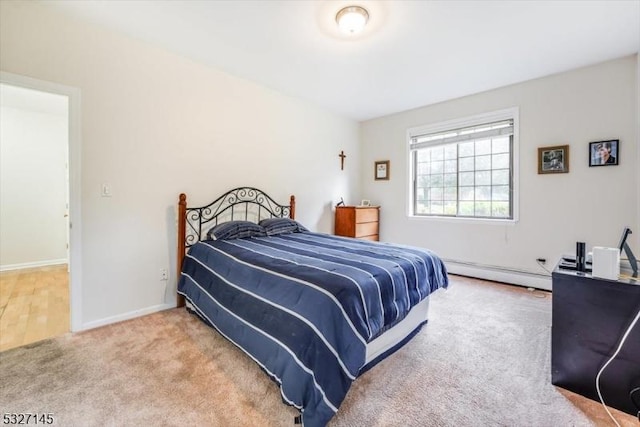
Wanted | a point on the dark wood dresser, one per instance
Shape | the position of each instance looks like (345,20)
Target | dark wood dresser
(362,222)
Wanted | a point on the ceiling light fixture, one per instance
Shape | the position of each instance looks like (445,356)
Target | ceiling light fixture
(352,19)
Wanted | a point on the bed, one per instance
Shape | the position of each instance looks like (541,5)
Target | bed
(313,310)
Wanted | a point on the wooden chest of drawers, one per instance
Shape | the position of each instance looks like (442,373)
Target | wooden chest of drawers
(358,221)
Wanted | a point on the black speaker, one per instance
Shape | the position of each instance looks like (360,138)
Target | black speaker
(580,256)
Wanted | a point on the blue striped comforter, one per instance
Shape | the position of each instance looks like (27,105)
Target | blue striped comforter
(304,305)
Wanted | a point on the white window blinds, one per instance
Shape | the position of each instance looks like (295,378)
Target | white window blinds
(488,130)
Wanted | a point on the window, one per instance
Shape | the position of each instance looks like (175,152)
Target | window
(464,169)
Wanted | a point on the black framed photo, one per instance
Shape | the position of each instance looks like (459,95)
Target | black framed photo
(604,153)
(553,159)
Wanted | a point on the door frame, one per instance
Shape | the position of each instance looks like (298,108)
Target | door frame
(74,191)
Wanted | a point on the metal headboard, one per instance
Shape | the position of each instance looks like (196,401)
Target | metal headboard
(242,203)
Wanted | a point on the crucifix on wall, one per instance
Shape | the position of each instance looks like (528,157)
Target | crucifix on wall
(342,157)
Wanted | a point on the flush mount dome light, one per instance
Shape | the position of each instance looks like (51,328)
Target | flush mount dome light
(352,19)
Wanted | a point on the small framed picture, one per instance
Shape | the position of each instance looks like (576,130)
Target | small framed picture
(365,202)
(381,170)
(604,153)
(553,159)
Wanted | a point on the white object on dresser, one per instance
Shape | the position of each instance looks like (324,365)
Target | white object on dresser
(606,263)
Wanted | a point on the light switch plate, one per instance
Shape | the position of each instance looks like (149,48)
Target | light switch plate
(106,190)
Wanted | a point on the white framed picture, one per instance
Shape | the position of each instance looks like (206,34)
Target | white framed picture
(365,202)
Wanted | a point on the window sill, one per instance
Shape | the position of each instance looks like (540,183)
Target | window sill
(458,220)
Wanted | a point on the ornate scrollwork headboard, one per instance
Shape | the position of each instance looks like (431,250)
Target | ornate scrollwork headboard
(243,203)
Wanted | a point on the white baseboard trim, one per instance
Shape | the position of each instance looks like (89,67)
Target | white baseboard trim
(35,264)
(500,274)
(126,316)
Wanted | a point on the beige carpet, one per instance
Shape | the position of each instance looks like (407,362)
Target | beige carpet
(483,360)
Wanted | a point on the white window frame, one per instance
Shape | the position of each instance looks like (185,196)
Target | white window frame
(512,113)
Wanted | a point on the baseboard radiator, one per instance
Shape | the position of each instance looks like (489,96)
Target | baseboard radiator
(496,273)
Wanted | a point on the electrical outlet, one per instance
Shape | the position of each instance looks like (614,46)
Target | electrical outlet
(164,274)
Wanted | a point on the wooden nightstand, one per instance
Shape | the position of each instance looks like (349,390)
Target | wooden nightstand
(361,222)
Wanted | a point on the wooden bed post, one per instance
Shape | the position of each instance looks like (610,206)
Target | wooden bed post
(292,210)
(182,218)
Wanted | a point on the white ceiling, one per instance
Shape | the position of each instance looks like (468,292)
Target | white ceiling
(412,53)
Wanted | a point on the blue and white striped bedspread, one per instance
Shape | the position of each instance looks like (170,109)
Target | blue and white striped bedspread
(304,305)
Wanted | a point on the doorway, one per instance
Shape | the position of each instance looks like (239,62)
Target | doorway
(39,249)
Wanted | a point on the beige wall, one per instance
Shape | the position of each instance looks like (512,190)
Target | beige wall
(587,204)
(155,124)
